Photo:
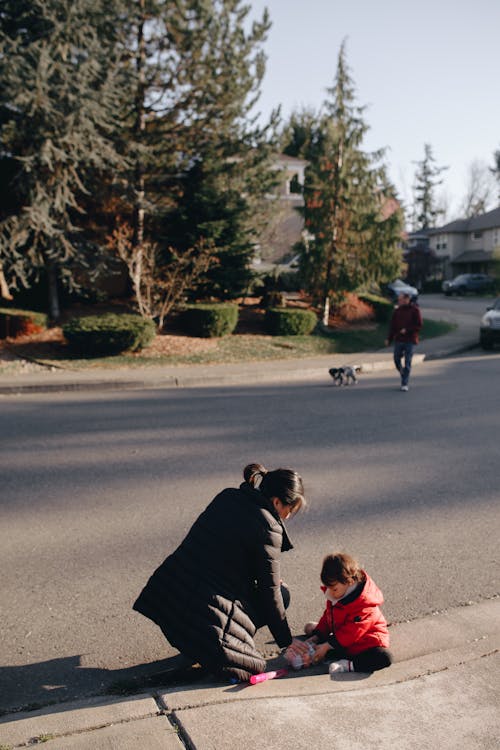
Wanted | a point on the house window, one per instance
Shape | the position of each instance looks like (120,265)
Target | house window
(477,235)
(294,185)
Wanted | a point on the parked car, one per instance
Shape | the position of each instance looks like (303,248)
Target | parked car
(469,282)
(395,288)
(489,332)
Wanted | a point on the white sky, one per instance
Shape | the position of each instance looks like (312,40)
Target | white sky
(428,71)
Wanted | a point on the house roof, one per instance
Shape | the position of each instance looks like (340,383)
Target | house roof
(489,220)
(473,255)
(292,160)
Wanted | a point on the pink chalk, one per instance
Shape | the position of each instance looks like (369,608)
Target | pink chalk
(263,676)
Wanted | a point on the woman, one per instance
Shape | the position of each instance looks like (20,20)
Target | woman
(223,581)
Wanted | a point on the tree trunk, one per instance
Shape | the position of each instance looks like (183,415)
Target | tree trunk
(4,287)
(333,245)
(326,310)
(54,308)
(139,127)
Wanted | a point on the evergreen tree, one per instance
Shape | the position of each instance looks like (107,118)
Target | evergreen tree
(223,190)
(427,179)
(200,166)
(57,105)
(344,194)
(302,135)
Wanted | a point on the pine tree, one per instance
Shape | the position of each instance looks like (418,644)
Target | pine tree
(200,166)
(427,179)
(57,119)
(224,187)
(344,195)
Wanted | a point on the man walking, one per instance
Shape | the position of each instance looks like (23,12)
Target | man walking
(404,328)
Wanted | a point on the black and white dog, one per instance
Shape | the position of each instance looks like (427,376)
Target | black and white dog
(344,375)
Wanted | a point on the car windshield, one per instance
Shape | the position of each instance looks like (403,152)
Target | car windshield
(461,278)
(496,306)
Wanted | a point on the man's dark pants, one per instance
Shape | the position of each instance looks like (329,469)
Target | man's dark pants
(403,350)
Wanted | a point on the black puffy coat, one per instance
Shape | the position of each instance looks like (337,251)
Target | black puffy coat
(222,583)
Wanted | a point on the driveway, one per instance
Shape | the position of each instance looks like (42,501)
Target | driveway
(470,305)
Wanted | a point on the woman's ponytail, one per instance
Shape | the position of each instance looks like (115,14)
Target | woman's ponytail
(254,474)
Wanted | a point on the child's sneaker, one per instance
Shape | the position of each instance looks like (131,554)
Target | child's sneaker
(342,665)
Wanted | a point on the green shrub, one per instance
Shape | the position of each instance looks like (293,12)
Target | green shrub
(98,335)
(15,322)
(209,321)
(383,307)
(290,321)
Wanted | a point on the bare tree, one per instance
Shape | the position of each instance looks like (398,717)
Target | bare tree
(495,170)
(480,190)
(159,285)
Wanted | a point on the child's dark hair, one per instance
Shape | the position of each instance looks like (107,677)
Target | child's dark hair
(284,484)
(342,568)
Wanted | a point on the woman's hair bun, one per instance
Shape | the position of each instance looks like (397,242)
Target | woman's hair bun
(253,472)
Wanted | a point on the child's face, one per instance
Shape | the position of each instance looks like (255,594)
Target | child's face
(337,589)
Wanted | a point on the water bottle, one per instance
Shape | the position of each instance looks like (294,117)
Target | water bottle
(297,661)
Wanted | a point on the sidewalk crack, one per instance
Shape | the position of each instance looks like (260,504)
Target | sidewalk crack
(175,723)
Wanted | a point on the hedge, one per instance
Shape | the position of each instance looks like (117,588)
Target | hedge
(15,322)
(209,320)
(383,308)
(290,321)
(108,334)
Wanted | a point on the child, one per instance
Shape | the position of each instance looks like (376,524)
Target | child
(352,631)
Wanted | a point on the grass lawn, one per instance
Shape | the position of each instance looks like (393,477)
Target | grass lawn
(180,350)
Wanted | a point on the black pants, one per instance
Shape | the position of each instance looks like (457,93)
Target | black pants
(370,660)
(258,617)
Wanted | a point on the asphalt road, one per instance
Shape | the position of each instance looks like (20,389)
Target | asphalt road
(96,489)
(468,304)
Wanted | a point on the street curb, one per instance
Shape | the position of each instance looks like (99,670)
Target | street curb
(202,378)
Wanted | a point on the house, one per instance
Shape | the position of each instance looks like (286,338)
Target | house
(286,224)
(467,245)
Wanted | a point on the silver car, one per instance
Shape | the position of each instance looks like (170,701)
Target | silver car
(489,331)
(395,288)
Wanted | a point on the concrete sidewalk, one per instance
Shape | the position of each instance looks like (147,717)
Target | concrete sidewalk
(47,380)
(442,691)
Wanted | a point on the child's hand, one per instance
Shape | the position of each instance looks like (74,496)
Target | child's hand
(320,652)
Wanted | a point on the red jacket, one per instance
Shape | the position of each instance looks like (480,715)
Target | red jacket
(409,318)
(356,622)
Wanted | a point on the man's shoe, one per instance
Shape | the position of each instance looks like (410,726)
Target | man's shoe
(404,387)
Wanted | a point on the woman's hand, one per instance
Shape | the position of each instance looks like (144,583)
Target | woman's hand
(302,649)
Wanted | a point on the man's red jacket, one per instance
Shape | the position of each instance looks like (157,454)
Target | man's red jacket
(409,318)
(356,622)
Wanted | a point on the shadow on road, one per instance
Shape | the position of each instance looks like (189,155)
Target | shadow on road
(31,686)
